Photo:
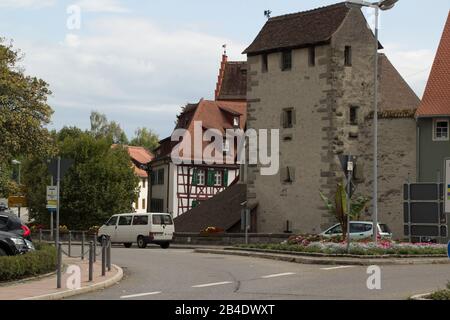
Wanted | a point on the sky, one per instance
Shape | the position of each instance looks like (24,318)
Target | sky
(140,61)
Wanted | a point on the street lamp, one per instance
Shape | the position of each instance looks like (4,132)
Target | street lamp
(18,163)
(381,5)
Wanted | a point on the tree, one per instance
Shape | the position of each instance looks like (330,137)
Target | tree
(24,112)
(145,138)
(101,127)
(338,208)
(100,183)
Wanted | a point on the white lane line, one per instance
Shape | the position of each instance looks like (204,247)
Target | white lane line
(336,268)
(140,295)
(212,284)
(278,275)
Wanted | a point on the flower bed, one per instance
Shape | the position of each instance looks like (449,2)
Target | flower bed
(317,244)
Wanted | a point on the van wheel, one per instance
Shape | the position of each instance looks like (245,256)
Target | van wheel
(141,242)
(127,245)
(2,253)
(165,245)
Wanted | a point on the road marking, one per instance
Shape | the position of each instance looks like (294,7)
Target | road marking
(140,295)
(278,275)
(336,268)
(211,284)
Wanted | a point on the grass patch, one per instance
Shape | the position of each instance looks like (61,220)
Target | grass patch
(36,263)
(441,295)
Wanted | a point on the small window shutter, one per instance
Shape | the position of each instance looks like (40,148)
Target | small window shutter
(195,177)
(195,204)
(225,178)
(210,181)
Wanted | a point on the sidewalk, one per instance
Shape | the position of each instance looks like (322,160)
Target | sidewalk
(45,288)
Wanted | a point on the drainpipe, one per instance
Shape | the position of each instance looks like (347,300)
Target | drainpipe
(418,153)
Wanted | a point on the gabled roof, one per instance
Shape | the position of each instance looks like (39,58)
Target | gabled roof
(212,115)
(232,80)
(299,29)
(436,99)
(396,96)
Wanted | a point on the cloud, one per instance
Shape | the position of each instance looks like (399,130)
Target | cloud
(112,6)
(413,65)
(131,69)
(26,3)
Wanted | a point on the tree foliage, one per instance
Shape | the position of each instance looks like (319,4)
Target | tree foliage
(24,113)
(102,128)
(145,138)
(100,183)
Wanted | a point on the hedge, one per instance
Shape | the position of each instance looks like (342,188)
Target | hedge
(39,262)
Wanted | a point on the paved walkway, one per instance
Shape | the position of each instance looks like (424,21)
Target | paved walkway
(45,288)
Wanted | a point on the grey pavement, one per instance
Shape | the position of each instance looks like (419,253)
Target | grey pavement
(181,274)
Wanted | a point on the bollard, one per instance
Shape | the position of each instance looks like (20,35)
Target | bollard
(108,254)
(82,245)
(40,235)
(91,261)
(70,244)
(103,257)
(58,267)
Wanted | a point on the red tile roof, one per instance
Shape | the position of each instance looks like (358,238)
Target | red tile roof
(139,157)
(436,99)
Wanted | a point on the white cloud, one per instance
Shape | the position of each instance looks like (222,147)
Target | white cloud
(131,69)
(113,6)
(413,65)
(26,3)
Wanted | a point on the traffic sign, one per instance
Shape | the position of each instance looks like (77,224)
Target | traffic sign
(448,250)
(17,202)
(52,193)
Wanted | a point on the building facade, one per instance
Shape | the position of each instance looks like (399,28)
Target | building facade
(433,116)
(310,75)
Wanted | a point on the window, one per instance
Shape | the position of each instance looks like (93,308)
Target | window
(312,56)
(335,230)
(144,182)
(360,227)
(226,145)
(3,222)
(441,130)
(143,204)
(348,56)
(353,115)
(288,175)
(136,203)
(112,221)
(160,176)
(286,60)
(265,62)
(140,220)
(201,177)
(125,220)
(218,181)
(160,219)
(236,122)
(288,118)
(156,205)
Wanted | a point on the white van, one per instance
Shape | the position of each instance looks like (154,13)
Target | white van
(145,228)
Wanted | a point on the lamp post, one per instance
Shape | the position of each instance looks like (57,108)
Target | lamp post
(381,5)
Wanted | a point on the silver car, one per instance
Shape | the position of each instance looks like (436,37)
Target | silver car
(358,230)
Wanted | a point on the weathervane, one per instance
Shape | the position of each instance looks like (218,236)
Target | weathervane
(224,49)
(267,13)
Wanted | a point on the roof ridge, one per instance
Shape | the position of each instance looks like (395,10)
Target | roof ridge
(296,14)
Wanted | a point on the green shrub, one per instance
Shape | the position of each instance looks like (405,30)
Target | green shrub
(39,262)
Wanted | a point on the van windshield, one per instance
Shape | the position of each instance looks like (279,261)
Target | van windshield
(160,219)
(112,221)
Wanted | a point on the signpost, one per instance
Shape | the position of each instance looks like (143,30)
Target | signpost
(17,202)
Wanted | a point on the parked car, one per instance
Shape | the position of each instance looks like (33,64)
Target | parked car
(9,222)
(11,244)
(358,230)
(129,228)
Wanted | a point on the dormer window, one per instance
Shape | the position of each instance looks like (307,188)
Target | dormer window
(236,122)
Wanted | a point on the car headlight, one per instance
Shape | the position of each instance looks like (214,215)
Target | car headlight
(18,241)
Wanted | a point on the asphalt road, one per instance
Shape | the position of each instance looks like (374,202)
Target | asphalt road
(158,274)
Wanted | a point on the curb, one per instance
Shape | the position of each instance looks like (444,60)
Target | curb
(324,261)
(421,297)
(91,288)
